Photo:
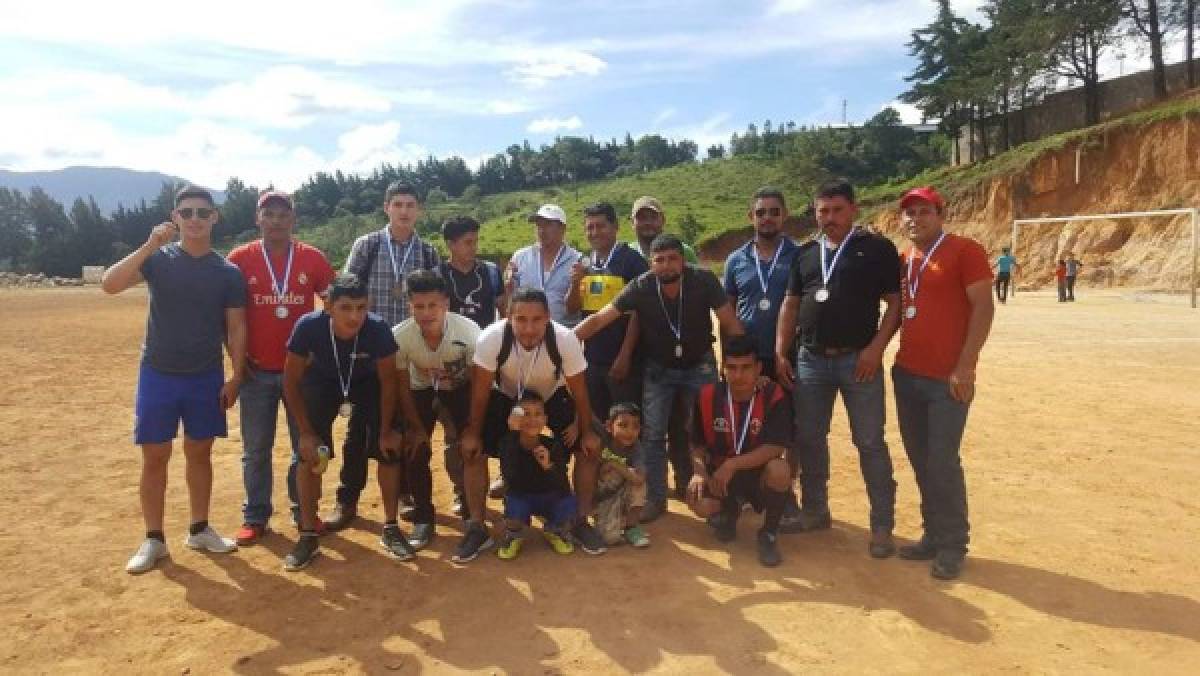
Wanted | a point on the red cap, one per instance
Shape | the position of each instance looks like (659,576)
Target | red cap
(926,193)
(275,195)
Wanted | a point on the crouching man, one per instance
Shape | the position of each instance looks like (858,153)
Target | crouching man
(740,432)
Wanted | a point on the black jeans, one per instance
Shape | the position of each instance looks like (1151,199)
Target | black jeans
(603,391)
(931,426)
(362,436)
(418,478)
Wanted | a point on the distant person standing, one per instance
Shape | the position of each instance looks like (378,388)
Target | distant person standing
(197,303)
(948,313)
(546,265)
(649,220)
(1060,276)
(1073,267)
(476,289)
(756,274)
(381,259)
(1005,265)
(283,278)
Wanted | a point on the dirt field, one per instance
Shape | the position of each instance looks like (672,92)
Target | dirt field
(1083,461)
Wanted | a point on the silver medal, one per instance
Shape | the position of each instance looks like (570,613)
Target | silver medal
(398,292)
(821,295)
(345,409)
(678,351)
(764,304)
(910,312)
(281,312)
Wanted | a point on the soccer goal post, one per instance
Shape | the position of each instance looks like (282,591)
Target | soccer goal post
(1193,213)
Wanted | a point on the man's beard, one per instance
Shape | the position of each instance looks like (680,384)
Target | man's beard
(669,277)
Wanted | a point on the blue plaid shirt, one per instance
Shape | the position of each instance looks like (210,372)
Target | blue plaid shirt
(383,279)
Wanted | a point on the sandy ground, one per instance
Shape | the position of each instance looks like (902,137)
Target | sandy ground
(1082,459)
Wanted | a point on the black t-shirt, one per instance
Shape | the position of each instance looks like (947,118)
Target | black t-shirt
(701,293)
(599,287)
(867,270)
(777,425)
(310,339)
(473,294)
(523,474)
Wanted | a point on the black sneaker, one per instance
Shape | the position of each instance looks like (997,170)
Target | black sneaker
(653,510)
(476,540)
(496,489)
(768,549)
(881,545)
(724,525)
(587,537)
(302,554)
(396,543)
(922,551)
(422,535)
(947,565)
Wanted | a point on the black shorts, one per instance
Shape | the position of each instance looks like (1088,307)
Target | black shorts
(746,487)
(322,403)
(560,413)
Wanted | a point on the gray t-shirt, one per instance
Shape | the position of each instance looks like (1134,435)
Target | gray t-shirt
(188,298)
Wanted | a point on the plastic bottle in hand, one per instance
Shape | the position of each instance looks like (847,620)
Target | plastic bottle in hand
(323,456)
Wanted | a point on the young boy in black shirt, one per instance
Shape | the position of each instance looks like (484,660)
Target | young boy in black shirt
(535,472)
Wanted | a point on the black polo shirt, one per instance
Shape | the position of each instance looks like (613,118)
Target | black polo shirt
(868,269)
(656,341)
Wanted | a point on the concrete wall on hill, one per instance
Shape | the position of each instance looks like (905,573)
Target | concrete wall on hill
(1064,111)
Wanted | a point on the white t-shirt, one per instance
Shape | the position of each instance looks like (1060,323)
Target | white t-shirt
(448,366)
(533,368)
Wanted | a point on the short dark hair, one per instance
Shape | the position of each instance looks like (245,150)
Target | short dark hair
(624,408)
(424,281)
(457,226)
(531,397)
(740,346)
(400,188)
(350,286)
(602,209)
(528,294)
(838,187)
(194,191)
(666,242)
(767,192)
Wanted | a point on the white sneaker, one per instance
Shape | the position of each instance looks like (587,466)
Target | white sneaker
(208,540)
(147,555)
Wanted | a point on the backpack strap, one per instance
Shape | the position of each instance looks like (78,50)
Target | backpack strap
(552,348)
(506,343)
(373,244)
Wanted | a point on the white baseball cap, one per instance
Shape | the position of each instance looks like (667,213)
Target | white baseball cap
(550,212)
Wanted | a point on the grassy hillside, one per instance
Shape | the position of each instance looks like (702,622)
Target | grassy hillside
(716,193)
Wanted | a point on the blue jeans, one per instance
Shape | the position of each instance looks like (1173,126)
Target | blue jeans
(261,394)
(660,386)
(819,379)
(931,425)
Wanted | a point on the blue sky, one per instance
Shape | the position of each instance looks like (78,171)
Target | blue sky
(272,92)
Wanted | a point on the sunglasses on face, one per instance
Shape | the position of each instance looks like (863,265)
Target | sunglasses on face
(200,212)
(768,211)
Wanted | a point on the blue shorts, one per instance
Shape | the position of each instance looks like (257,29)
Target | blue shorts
(558,509)
(165,398)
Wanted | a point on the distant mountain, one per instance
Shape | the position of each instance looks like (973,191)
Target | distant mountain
(109,185)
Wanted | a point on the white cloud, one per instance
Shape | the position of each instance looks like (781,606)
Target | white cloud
(713,130)
(540,67)
(367,146)
(909,114)
(663,115)
(506,107)
(550,125)
(291,97)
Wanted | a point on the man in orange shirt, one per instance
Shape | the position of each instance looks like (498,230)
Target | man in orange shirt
(947,315)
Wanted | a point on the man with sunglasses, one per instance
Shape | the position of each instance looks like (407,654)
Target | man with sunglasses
(837,284)
(756,274)
(197,302)
(283,277)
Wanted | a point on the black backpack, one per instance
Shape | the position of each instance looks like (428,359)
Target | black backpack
(550,341)
(373,244)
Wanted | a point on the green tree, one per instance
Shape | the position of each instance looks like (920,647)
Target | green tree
(1081,31)
(55,250)
(93,233)
(16,229)
(238,213)
(690,229)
